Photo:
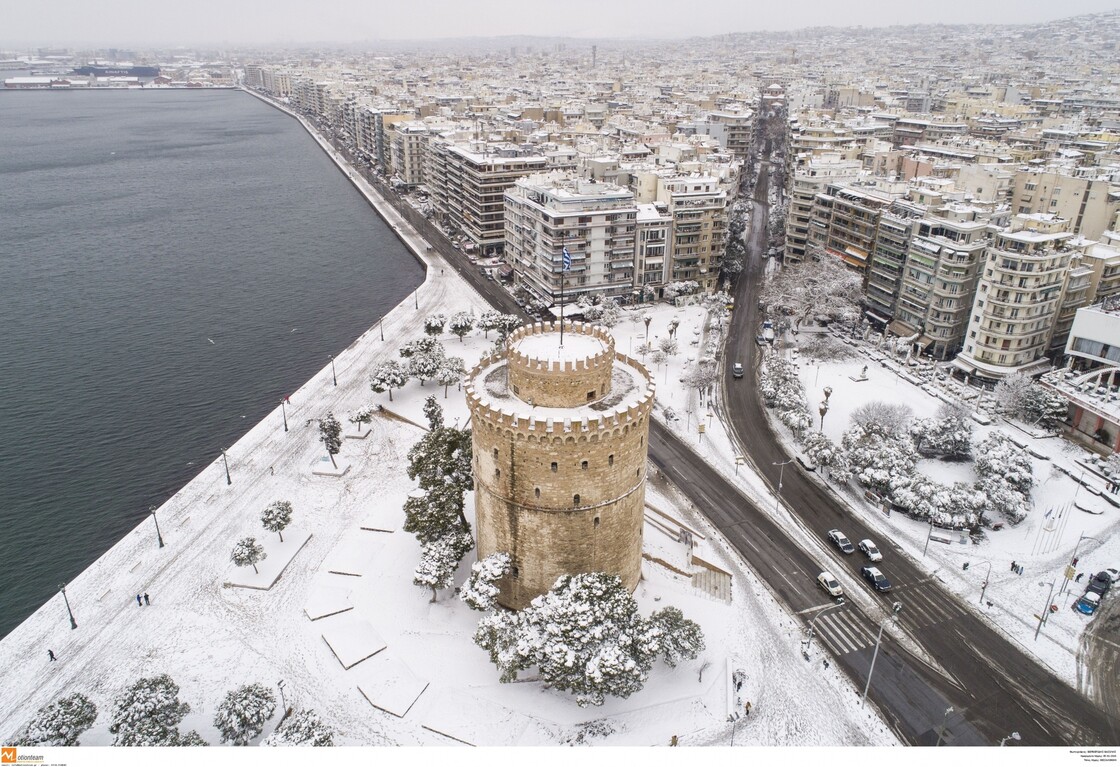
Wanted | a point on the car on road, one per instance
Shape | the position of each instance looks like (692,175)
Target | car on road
(1100,584)
(737,370)
(1088,603)
(1112,573)
(875,577)
(870,550)
(830,584)
(841,541)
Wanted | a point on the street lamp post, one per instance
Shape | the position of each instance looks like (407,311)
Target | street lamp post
(226,462)
(1045,608)
(941,730)
(824,405)
(381,327)
(159,535)
(928,536)
(778,494)
(284,412)
(1012,736)
(739,461)
(1073,559)
(895,608)
(73,623)
(334,376)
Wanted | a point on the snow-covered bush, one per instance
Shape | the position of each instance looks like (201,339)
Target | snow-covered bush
(669,346)
(303,728)
(363,415)
(388,376)
(680,639)
(585,636)
(479,592)
(248,552)
(439,560)
(276,516)
(824,347)
(877,455)
(1021,397)
(488,321)
(434,324)
(59,724)
(683,288)
(460,324)
(241,716)
(998,456)
(782,390)
(949,435)
(888,418)
(148,713)
(450,372)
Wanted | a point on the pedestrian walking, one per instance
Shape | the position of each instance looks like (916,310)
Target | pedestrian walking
(673,741)
(139,601)
(146,602)
(1014,567)
(271,470)
(1079,577)
(747,708)
(50,654)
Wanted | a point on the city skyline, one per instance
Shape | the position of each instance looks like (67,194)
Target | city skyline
(292,22)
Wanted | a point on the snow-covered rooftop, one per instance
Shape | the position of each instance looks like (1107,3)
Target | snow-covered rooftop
(547,346)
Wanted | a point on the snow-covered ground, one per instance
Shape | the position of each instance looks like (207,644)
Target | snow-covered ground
(348,632)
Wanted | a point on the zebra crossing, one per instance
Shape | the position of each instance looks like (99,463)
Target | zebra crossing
(843,634)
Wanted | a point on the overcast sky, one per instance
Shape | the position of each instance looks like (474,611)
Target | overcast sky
(130,22)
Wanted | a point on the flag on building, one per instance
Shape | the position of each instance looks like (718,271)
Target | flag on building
(567,260)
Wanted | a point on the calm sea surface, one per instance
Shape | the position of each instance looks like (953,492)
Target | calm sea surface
(134,226)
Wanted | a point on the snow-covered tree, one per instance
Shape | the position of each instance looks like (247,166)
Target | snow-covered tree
(330,434)
(1000,497)
(819,285)
(148,713)
(479,592)
(192,739)
(488,321)
(700,376)
(877,455)
(998,456)
(450,372)
(424,366)
(680,639)
(824,347)
(949,435)
(1021,397)
(60,723)
(658,357)
(277,516)
(441,463)
(460,324)
(241,716)
(434,324)
(439,560)
(644,348)
(506,324)
(303,728)
(248,552)
(422,346)
(388,376)
(669,346)
(825,453)
(585,636)
(683,288)
(363,415)
(889,418)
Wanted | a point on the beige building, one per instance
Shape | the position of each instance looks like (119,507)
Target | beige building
(408,143)
(561,436)
(698,206)
(1089,204)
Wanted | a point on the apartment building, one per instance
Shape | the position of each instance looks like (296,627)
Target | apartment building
(595,221)
(698,206)
(734,130)
(811,174)
(844,220)
(654,255)
(1089,203)
(408,143)
(888,258)
(1018,299)
(469,183)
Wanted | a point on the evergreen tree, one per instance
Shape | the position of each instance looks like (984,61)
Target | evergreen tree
(388,376)
(680,638)
(450,372)
(479,592)
(303,728)
(433,514)
(460,324)
(488,321)
(148,713)
(434,324)
(362,415)
(330,434)
(439,560)
(248,552)
(59,724)
(192,738)
(242,715)
(276,516)
(424,366)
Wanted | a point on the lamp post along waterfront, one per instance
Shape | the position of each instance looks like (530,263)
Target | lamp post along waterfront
(226,462)
(284,412)
(73,623)
(159,535)
(334,376)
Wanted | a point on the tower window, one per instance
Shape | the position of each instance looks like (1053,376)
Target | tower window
(514,571)
(596,521)
(610,460)
(537,492)
(575,499)
(554,467)
(495,453)
(590,395)
(583,465)
(497,473)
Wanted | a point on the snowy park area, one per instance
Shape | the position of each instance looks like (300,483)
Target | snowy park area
(351,636)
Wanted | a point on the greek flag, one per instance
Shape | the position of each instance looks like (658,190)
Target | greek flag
(567,260)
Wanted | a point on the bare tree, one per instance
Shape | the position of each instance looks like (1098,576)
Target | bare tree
(820,284)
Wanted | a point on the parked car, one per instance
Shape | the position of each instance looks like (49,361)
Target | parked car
(1112,573)
(1088,603)
(737,370)
(876,578)
(870,550)
(830,584)
(1100,584)
(841,541)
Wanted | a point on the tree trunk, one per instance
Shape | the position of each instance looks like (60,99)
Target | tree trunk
(390,395)
(331,456)
(433,599)
(445,390)
(255,570)
(281,534)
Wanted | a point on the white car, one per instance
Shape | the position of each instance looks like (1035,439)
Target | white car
(870,550)
(830,584)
